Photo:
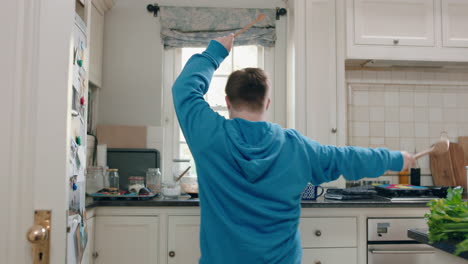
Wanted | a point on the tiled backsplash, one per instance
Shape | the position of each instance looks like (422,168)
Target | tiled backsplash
(406,110)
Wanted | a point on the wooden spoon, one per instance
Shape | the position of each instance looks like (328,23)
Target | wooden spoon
(183,173)
(439,147)
(260,17)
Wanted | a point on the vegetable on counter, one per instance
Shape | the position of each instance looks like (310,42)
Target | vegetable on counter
(448,219)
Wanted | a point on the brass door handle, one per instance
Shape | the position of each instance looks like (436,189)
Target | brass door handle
(38,236)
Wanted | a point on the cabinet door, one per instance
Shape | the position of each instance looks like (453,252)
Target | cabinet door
(394,22)
(126,239)
(455,23)
(88,254)
(96,46)
(183,240)
(329,256)
(328,232)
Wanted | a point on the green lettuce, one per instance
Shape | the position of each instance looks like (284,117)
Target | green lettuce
(448,219)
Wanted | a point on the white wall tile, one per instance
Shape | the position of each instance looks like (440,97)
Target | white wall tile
(392,114)
(435,99)
(428,76)
(360,114)
(421,130)
(392,99)
(450,115)
(406,98)
(463,130)
(413,76)
(360,98)
(462,99)
(452,131)
(426,181)
(369,75)
(435,129)
(377,129)
(355,76)
(384,76)
(406,114)
(421,115)
(462,115)
(435,115)
(398,76)
(377,141)
(392,129)
(421,99)
(360,129)
(441,76)
(424,162)
(377,114)
(407,130)
(392,143)
(421,144)
(407,144)
(450,100)
(360,142)
(376,98)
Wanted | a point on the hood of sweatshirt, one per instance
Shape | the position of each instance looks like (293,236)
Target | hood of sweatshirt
(255,146)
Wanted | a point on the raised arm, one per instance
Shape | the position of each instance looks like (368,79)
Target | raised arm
(193,112)
(354,163)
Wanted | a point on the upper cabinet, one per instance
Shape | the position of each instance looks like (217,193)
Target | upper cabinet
(415,30)
(455,23)
(394,22)
(98,8)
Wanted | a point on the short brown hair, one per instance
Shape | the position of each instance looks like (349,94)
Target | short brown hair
(247,88)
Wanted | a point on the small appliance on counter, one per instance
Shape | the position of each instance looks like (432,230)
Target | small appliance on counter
(410,193)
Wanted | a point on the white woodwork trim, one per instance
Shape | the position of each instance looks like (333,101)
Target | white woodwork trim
(447,40)
(103,5)
(300,65)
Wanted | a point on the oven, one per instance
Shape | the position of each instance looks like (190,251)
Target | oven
(388,242)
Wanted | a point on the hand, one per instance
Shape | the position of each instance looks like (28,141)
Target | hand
(408,160)
(226,41)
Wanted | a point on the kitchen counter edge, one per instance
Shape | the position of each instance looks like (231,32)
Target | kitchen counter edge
(422,236)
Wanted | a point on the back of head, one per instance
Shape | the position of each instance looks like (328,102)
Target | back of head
(247,89)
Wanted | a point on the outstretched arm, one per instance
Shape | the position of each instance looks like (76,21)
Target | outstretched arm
(354,163)
(193,112)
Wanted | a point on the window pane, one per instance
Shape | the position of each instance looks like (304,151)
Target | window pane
(226,67)
(245,56)
(185,151)
(188,52)
(215,95)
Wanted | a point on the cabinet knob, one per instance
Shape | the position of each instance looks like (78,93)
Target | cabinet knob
(95,254)
(334,130)
(171,254)
(318,233)
(396,41)
(317,262)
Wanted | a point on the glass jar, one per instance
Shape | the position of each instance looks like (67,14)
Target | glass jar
(153,180)
(189,184)
(139,180)
(95,179)
(113,176)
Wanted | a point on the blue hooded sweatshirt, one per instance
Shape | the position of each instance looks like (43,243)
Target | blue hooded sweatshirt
(251,174)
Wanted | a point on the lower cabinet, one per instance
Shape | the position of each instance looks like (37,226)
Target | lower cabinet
(329,256)
(126,239)
(88,254)
(183,241)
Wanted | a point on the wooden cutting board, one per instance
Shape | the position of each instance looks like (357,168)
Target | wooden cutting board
(458,164)
(463,141)
(442,170)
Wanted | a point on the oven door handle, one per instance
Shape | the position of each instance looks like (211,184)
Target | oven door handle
(378,251)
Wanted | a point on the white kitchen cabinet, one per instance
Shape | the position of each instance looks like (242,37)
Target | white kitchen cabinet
(96,45)
(455,23)
(328,232)
(320,104)
(406,30)
(394,22)
(88,254)
(126,239)
(183,239)
(329,256)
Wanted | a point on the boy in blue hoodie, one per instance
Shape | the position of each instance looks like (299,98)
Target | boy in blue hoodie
(251,172)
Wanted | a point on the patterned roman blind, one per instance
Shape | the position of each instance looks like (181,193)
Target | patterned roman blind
(196,26)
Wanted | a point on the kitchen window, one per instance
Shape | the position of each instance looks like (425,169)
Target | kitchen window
(239,58)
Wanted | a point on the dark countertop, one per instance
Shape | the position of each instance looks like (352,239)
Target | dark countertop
(377,202)
(422,236)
